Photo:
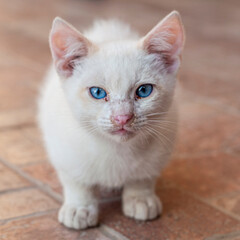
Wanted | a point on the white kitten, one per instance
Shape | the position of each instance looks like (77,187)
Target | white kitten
(107,114)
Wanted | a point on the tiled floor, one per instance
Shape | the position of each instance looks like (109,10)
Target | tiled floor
(200,189)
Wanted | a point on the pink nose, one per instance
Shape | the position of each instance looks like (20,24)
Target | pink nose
(122,119)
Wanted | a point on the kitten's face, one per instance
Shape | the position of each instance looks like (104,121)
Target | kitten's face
(119,89)
(123,82)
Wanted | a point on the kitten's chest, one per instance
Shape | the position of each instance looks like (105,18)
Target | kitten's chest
(113,165)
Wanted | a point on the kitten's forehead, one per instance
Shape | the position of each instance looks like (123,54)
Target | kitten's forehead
(117,67)
(120,64)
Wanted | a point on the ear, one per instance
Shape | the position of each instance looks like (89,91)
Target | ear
(166,41)
(67,45)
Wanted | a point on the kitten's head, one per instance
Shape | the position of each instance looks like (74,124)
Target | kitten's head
(119,88)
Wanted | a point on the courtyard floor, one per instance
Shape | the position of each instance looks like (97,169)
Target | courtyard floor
(200,189)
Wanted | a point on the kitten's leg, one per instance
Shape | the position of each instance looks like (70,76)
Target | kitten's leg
(140,201)
(80,207)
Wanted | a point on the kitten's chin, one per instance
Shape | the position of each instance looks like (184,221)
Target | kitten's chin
(121,135)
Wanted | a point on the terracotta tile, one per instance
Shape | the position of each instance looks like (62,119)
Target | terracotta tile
(209,64)
(211,69)
(21,146)
(228,236)
(10,180)
(93,234)
(31,28)
(18,117)
(230,202)
(44,227)
(206,176)
(19,87)
(24,202)
(45,173)
(203,128)
(183,218)
(232,145)
(215,75)
(21,45)
(18,94)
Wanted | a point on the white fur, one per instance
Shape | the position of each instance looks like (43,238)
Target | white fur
(77,128)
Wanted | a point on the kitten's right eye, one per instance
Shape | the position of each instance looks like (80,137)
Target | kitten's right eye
(98,92)
(144,90)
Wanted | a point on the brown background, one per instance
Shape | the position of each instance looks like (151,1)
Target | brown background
(200,189)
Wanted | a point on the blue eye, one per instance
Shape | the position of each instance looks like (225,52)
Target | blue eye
(98,92)
(144,90)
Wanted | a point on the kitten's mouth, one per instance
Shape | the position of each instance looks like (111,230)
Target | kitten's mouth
(122,132)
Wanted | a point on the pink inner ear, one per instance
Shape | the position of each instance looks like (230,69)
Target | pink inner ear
(176,38)
(166,40)
(59,44)
(67,44)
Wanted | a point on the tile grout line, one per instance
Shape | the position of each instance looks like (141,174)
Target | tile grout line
(25,61)
(41,185)
(208,203)
(234,216)
(219,196)
(227,236)
(36,214)
(111,233)
(58,198)
(17,126)
(29,164)
(105,230)
(35,182)
(19,189)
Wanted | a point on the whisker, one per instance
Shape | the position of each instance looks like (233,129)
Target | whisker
(144,137)
(160,120)
(154,135)
(166,129)
(157,133)
(163,124)
(154,114)
(159,113)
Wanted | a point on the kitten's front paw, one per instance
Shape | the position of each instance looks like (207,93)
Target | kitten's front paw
(142,207)
(78,217)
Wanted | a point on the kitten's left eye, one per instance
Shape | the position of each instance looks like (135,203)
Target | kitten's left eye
(144,90)
(98,92)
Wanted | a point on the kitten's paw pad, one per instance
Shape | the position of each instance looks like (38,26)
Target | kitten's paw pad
(78,217)
(142,207)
